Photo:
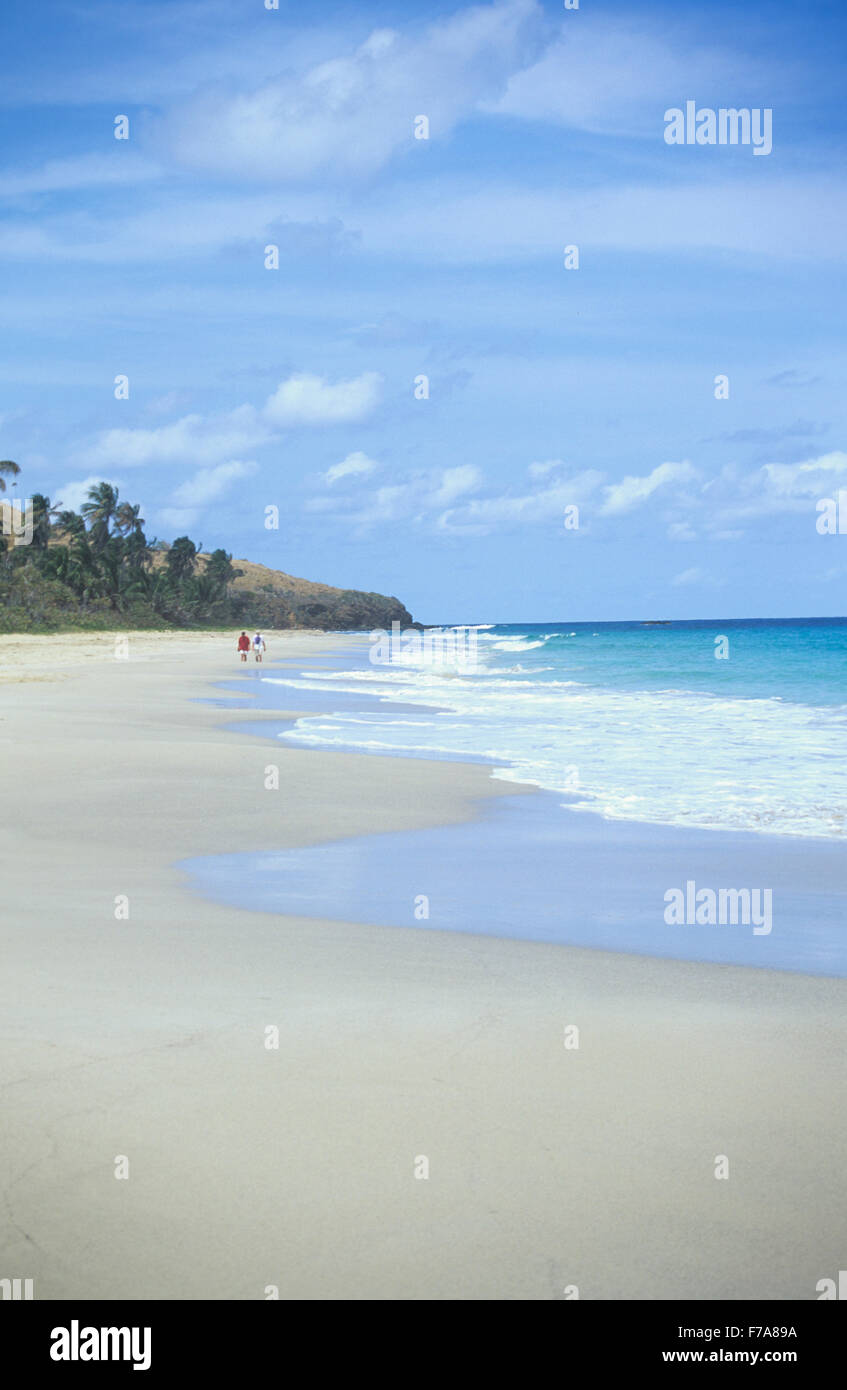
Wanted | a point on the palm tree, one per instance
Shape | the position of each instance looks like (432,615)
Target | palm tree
(8,469)
(128,518)
(71,522)
(220,569)
(42,513)
(182,558)
(100,511)
(69,564)
(110,572)
(205,590)
(137,552)
(154,587)
(102,504)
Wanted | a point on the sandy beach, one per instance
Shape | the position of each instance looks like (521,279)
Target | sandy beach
(294,1168)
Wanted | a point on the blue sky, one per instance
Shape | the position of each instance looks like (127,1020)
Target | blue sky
(549,387)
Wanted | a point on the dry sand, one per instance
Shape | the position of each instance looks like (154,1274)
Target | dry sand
(295,1167)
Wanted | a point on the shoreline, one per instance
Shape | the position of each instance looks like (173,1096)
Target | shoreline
(294,1166)
(531,870)
(545,871)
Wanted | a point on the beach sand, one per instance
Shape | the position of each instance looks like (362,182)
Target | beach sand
(294,1167)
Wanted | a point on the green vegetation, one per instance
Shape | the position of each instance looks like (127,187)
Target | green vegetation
(96,569)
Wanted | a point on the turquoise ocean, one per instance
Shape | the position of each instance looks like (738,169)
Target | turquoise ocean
(699,752)
(728,724)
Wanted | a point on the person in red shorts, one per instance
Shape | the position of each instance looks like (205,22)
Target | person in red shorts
(244,645)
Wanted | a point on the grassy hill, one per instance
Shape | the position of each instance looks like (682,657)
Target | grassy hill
(97,570)
(312,604)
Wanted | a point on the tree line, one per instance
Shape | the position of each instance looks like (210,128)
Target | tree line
(96,568)
(100,562)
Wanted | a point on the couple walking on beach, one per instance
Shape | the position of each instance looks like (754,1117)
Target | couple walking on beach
(258,645)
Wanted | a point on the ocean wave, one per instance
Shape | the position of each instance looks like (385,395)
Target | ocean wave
(669,756)
(512,645)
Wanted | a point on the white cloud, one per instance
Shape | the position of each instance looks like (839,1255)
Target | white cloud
(71,497)
(141,60)
(546,506)
(543,470)
(610,76)
(623,496)
(777,489)
(461,222)
(211,440)
(699,578)
(311,400)
(426,498)
(171,225)
(354,466)
(455,482)
(85,171)
(209,484)
(349,115)
(691,576)
(440,498)
(193,439)
(812,478)
(392,502)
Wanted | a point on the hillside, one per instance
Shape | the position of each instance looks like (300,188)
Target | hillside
(312,604)
(97,570)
